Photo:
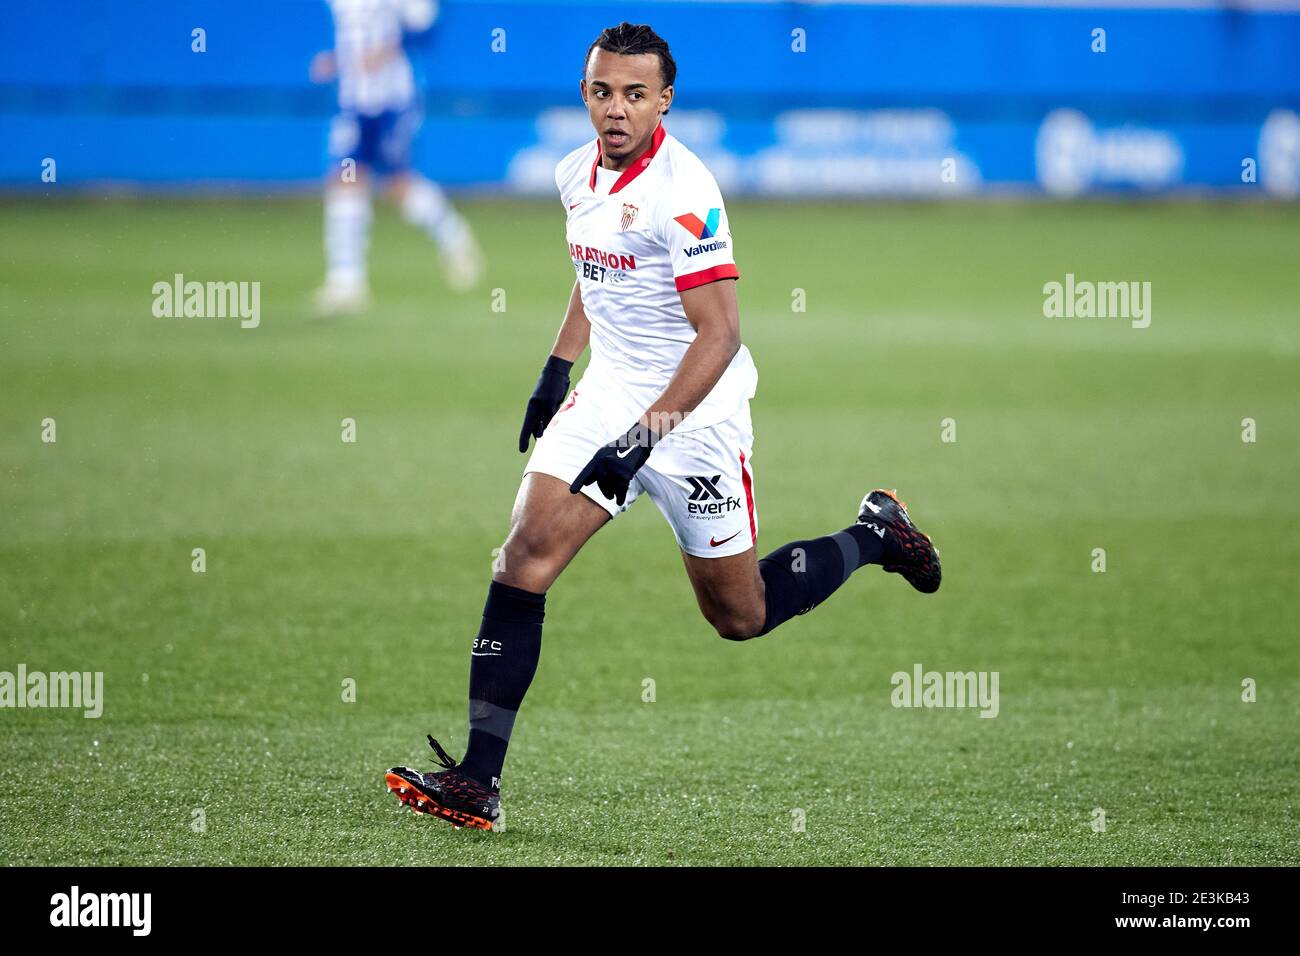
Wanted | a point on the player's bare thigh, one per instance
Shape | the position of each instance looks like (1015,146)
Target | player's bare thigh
(358,182)
(397,186)
(548,526)
(730,592)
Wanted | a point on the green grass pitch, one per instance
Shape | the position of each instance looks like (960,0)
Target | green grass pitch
(327,561)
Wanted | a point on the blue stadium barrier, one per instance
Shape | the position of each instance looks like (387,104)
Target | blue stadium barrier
(894,100)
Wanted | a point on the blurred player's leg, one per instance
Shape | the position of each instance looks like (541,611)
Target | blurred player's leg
(425,205)
(348,216)
(422,202)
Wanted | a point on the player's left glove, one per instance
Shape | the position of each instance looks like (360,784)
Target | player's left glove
(546,399)
(614,465)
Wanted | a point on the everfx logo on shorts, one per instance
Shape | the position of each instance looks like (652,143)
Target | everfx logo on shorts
(706,499)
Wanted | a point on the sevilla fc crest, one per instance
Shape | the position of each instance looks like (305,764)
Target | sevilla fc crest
(629,215)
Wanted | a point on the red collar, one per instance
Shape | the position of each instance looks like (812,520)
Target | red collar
(637,168)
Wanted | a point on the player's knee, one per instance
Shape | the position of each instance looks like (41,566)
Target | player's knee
(527,553)
(523,546)
(736,624)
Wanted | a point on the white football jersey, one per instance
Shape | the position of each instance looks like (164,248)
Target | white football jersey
(637,239)
(362,27)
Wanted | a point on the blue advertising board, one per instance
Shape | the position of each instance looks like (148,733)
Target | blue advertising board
(779,98)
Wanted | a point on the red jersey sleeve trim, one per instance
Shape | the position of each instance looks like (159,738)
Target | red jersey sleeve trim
(705,276)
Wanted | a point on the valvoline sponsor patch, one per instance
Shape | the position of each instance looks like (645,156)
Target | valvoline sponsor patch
(704,247)
(705,228)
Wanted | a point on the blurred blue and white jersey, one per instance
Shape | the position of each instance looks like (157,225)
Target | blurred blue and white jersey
(364,28)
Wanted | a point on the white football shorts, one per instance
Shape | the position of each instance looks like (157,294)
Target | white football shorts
(701,479)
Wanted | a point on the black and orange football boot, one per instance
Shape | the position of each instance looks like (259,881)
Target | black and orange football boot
(459,799)
(917,560)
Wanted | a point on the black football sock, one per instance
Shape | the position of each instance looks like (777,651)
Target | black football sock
(800,575)
(501,667)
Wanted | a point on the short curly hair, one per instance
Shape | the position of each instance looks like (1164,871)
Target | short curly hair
(631,39)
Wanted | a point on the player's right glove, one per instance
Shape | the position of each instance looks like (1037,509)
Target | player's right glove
(547,397)
(614,466)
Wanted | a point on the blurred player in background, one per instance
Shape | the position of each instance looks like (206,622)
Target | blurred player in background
(376,124)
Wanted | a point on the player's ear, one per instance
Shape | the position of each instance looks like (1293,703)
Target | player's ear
(582,89)
(665,100)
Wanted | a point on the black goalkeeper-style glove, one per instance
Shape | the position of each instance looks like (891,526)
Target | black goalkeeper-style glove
(614,465)
(547,397)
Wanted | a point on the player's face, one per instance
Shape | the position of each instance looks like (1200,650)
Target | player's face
(625,96)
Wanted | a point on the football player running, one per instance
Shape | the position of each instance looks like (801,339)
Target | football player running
(662,410)
(372,135)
